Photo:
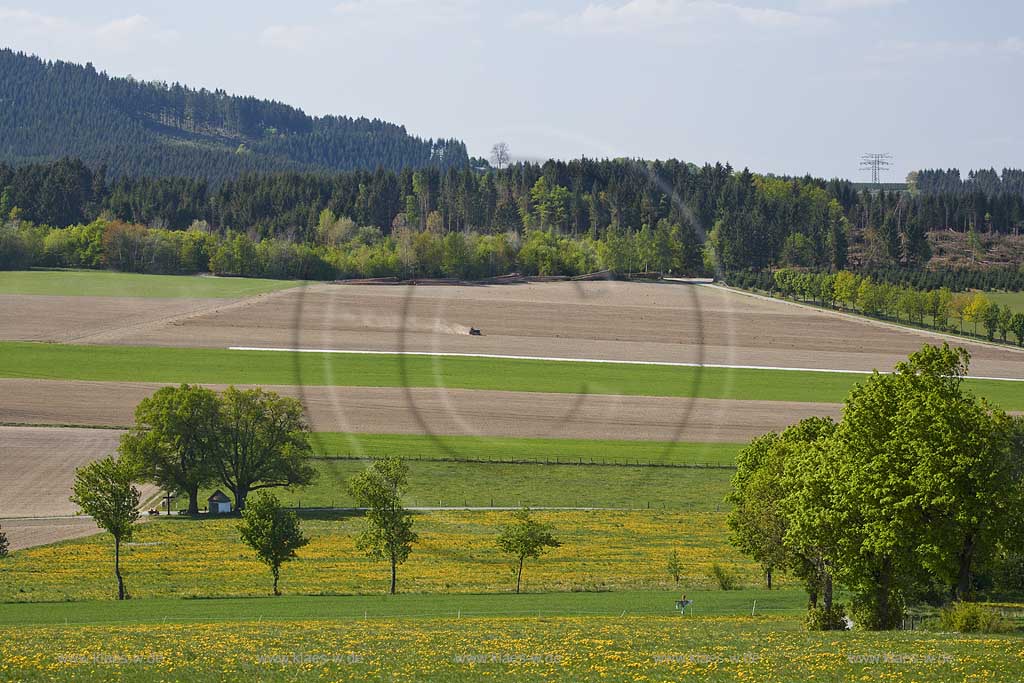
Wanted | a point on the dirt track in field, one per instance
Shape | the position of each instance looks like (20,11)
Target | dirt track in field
(437,411)
(603,320)
(38,468)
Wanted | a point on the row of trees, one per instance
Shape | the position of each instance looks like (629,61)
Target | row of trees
(914,496)
(188,437)
(751,221)
(104,490)
(942,306)
(341,249)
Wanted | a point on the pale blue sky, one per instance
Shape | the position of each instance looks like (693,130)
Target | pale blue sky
(786,86)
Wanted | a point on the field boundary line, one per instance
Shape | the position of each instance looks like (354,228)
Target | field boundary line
(609,361)
(577,462)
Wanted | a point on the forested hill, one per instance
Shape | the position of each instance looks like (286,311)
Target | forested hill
(50,110)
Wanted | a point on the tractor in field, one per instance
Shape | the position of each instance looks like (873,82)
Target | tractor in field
(475,332)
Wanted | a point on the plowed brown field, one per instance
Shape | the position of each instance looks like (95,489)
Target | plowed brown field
(390,410)
(601,320)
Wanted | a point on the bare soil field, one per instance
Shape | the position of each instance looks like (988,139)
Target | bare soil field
(28,533)
(104,319)
(38,466)
(391,410)
(39,463)
(601,320)
(71,319)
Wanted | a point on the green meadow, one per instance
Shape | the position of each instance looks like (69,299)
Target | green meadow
(473,484)
(416,446)
(1014,300)
(223,366)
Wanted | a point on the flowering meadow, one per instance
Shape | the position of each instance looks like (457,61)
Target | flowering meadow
(177,557)
(502,649)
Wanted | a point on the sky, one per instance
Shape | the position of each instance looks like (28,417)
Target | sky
(783,86)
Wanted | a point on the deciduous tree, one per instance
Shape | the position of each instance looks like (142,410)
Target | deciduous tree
(388,533)
(103,490)
(525,538)
(175,440)
(264,443)
(273,532)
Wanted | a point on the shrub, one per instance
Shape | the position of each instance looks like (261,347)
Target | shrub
(821,619)
(3,544)
(970,617)
(868,615)
(725,578)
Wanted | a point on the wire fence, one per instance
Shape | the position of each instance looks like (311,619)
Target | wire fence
(546,460)
(420,505)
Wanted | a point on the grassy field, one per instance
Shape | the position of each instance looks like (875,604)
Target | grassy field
(471,484)
(453,649)
(1014,300)
(456,553)
(108,283)
(787,601)
(497,448)
(221,366)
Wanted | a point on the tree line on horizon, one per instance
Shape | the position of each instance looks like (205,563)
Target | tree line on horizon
(746,221)
(139,128)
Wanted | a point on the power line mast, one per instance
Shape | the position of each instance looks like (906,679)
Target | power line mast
(876,163)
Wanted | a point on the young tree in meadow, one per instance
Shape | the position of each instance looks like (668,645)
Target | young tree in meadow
(272,531)
(977,310)
(4,544)
(525,538)
(1017,327)
(103,490)
(938,306)
(990,320)
(845,288)
(264,443)
(826,290)
(958,305)
(870,298)
(388,533)
(674,566)
(175,440)
(1005,322)
(909,303)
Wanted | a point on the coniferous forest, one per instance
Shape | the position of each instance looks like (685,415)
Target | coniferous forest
(134,128)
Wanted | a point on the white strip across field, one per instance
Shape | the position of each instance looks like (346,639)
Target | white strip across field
(580,360)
